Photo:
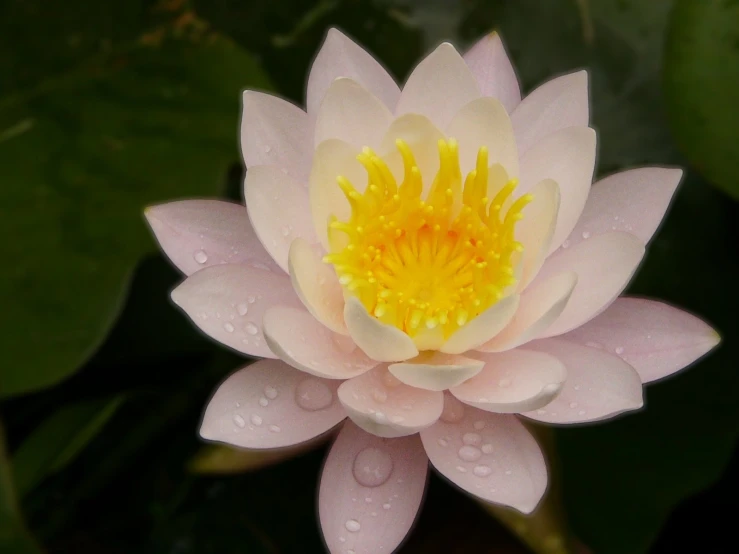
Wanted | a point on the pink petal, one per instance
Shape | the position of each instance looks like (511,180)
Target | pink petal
(340,57)
(604,266)
(494,72)
(371,489)
(299,340)
(555,105)
(654,338)
(483,328)
(269,405)
(351,113)
(378,340)
(599,385)
(200,233)
(491,456)
(436,371)
(383,406)
(279,210)
(439,86)
(513,381)
(634,201)
(568,158)
(275,132)
(227,303)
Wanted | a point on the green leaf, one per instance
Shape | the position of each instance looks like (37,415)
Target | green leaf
(701,79)
(103,110)
(59,439)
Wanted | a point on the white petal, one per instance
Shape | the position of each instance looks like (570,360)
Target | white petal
(604,266)
(482,328)
(436,371)
(294,335)
(378,340)
(494,72)
(536,230)
(275,132)
(555,105)
(514,381)
(340,57)
(439,86)
(317,285)
(380,404)
(279,210)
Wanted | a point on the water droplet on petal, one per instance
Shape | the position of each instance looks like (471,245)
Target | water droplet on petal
(573,404)
(469,453)
(482,471)
(251,299)
(313,395)
(461,469)
(472,439)
(566,244)
(508,472)
(228,327)
(504,383)
(242,308)
(200,256)
(263,402)
(487,448)
(386,506)
(238,420)
(352,525)
(479,425)
(270,392)
(285,231)
(586,234)
(619,350)
(256,420)
(372,467)
(267,148)
(274,428)
(379,395)
(443,442)
(251,328)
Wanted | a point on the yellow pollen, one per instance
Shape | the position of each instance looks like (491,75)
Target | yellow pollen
(426,263)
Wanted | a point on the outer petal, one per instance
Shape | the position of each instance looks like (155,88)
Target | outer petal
(294,335)
(567,157)
(598,386)
(536,230)
(634,201)
(340,57)
(200,233)
(484,327)
(383,406)
(604,266)
(513,381)
(439,86)
(436,371)
(492,68)
(350,113)
(555,105)
(484,122)
(540,306)
(278,209)
(371,489)
(491,456)
(379,341)
(275,132)
(654,338)
(268,405)
(227,302)
(317,285)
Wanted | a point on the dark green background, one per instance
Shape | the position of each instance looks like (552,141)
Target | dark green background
(107,106)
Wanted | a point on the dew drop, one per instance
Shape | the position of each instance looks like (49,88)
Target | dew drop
(313,395)
(270,392)
(263,402)
(352,525)
(586,234)
(482,471)
(479,425)
(251,299)
(461,469)
(453,410)
(379,395)
(386,506)
(472,439)
(508,472)
(504,383)
(255,419)
(274,429)
(592,344)
(238,420)
(487,448)
(200,256)
(619,350)
(581,412)
(443,442)
(242,308)
(251,328)
(228,327)
(285,231)
(573,404)
(372,467)
(469,453)
(566,244)
(267,148)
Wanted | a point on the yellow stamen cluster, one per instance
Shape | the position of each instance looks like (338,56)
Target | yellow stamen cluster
(430,263)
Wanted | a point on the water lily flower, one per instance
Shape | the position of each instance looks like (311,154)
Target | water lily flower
(434,264)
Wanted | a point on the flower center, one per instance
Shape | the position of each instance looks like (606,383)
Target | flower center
(430,263)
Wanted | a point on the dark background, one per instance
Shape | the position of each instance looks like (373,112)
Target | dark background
(106,107)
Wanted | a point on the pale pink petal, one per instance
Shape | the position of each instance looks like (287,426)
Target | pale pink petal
(333,158)
(436,371)
(484,327)
(604,266)
(299,340)
(536,230)
(382,405)
(568,158)
(514,381)
(378,340)
(599,385)
(494,72)
(439,86)
(278,209)
(227,303)
(340,57)
(540,306)
(351,113)
(654,338)
(200,233)
(634,201)
(317,286)
(371,489)
(275,132)
(491,456)
(269,405)
(555,105)
(484,122)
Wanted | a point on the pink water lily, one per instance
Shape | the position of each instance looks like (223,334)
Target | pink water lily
(433,264)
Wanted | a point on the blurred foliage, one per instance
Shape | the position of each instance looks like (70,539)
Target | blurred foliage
(107,106)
